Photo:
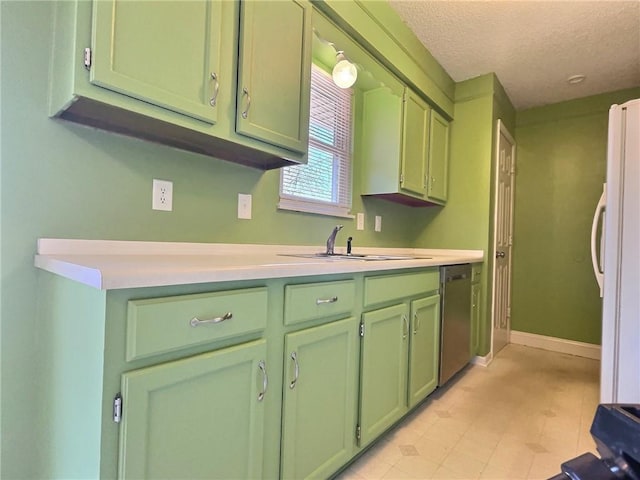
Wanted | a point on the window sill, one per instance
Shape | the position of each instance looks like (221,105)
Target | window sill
(315,208)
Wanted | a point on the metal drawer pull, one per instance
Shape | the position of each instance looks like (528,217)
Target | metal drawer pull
(320,301)
(216,88)
(296,372)
(406,329)
(416,319)
(246,110)
(265,380)
(195,321)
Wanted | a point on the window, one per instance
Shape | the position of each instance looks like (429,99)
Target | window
(323,185)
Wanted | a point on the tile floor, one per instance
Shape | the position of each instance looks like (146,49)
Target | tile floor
(518,418)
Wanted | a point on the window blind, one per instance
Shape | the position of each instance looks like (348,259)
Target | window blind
(323,185)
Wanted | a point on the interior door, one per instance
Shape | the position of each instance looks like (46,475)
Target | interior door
(503,238)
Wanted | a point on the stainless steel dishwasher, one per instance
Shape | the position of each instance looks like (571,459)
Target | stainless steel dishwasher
(455,329)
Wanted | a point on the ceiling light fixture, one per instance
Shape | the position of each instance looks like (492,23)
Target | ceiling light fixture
(344,73)
(575,79)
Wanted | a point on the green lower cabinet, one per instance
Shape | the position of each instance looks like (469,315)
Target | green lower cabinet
(201,417)
(475,318)
(383,375)
(424,350)
(318,434)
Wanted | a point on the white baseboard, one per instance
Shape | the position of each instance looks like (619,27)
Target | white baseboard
(482,361)
(580,349)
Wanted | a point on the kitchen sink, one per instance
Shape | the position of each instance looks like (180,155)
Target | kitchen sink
(341,256)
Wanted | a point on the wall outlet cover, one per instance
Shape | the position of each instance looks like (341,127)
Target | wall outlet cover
(162,195)
(378,224)
(360,221)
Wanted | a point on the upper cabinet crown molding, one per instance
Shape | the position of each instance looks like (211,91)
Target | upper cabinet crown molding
(377,27)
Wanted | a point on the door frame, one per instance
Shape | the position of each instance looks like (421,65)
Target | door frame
(501,129)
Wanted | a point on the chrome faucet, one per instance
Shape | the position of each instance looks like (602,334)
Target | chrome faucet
(331,241)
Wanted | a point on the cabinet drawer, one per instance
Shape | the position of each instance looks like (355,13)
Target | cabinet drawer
(385,288)
(159,325)
(316,300)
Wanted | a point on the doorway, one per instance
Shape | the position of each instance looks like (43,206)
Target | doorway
(502,238)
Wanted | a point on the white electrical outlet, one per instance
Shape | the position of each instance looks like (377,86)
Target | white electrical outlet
(244,206)
(378,225)
(360,221)
(162,196)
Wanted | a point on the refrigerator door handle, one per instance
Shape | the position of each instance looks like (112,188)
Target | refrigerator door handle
(595,251)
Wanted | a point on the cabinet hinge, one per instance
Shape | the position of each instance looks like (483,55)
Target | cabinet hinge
(117,408)
(87,58)
(358,432)
(362,329)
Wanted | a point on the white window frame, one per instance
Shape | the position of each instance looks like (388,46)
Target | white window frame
(342,184)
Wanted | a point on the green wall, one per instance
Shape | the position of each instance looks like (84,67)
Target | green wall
(64,180)
(560,169)
(465,222)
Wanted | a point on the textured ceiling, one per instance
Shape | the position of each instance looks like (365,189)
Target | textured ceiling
(533,46)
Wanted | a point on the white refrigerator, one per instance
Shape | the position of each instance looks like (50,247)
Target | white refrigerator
(616,259)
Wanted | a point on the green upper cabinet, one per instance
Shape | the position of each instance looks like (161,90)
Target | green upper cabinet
(415,137)
(438,159)
(424,349)
(165,54)
(168,72)
(274,70)
(400,151)
(201,417)
(318,414)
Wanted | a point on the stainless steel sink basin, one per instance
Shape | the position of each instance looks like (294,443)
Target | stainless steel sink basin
(339,256)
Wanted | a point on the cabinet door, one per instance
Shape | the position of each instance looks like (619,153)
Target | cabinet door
(475,318)
(424,351)
(438,158)
(383,376)
(274,70)
(415,136)
(164,53)
(201,417)
(319,400)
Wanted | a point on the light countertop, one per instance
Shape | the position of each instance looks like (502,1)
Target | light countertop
(107,264)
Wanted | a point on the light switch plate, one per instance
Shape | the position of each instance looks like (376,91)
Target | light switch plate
(360,221)
(378,225)
(244,206)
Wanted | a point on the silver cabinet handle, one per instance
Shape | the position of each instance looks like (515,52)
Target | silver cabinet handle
(195,321)
(265,380)
(216,89)
(320,301)
(246,110)
(405,330)
(296,371)
(416,319)
(500,254)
